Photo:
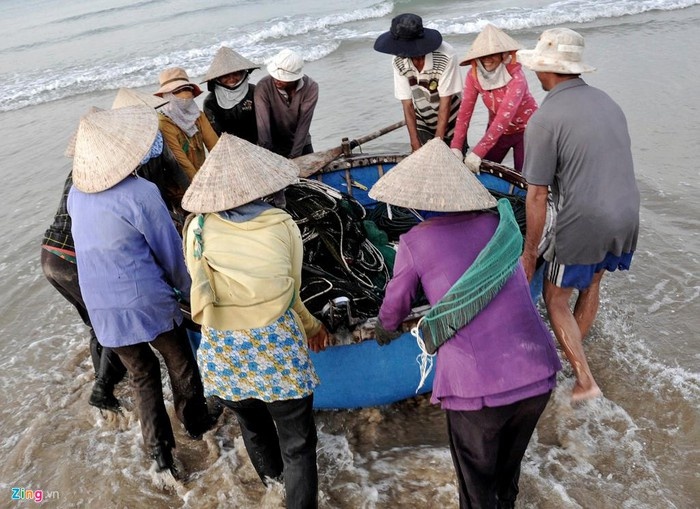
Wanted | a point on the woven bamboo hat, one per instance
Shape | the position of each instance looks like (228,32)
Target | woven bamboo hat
(237,172)
(70,147)
(131,97)
(110,144)
(432,178)
(491,40)
(227,61)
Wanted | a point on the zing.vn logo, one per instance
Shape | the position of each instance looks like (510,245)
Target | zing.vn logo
(37,496)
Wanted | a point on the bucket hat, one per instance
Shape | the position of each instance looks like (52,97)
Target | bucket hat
(490,40)
(286,65)
(110,144)
(408,38)
(173,78)
(432,178)
(131,97)
(237,172)
(227,61)
(558,50)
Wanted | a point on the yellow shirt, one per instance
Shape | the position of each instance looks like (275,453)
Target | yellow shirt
(249,273)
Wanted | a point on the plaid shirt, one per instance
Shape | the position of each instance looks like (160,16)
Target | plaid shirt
(58,234)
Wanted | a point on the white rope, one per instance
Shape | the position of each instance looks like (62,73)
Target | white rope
(424,359)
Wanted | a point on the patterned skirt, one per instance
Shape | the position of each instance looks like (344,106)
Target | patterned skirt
(268,363)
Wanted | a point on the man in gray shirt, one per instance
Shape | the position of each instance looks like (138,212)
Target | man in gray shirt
(577,144)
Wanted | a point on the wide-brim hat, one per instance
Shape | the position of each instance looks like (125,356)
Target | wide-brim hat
(110,144)
(173,78)
(491,40)
(287,65)
(70,146)
(408,37)
(227,61)
(237,172)
(433,179)
(558,50)
(131,97)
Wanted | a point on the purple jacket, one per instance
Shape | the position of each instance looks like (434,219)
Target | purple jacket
(506,353)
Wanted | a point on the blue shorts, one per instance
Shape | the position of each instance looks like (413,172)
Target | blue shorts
(581,276)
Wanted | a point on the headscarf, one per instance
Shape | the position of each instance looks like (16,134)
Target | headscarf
(156,149)
(491,80)
(184,112)
(228,97)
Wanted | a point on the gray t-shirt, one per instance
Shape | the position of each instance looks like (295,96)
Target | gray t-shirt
(578,143)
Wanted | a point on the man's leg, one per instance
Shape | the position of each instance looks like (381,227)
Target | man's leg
(587,303)
(569,336)
(259,436)
(297,438)
(157,433)
(188,392)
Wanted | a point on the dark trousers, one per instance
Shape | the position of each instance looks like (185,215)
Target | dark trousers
(487,448)
(188,394)
(63,276)
(503,145)
(280,438)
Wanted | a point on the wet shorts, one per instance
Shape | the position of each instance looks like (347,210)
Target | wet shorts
(581,276)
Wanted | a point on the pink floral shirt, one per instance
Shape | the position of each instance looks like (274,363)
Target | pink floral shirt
(510,107)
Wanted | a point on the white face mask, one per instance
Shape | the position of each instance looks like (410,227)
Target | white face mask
(227,97)
(184,112)
(491,80)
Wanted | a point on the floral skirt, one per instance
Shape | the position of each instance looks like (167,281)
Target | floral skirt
(268,363)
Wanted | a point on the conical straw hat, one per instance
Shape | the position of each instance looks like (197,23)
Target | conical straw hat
(131,97)
(432,178)
(237,172)
(489,41)
(70,147)
(227,61)
(110,145)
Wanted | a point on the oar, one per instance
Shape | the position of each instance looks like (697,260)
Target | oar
(311,163)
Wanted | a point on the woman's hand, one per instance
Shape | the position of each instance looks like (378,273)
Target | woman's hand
(320,341)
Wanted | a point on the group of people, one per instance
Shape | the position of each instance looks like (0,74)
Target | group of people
(139,171)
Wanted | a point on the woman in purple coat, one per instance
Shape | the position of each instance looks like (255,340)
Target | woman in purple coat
(497,367)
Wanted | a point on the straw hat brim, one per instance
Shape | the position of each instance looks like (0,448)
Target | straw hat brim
(490,41)
(433,179)
(70,146)
(237,172)
(534,61)
(131,97)
(174,85)
(227,61)
(110,144)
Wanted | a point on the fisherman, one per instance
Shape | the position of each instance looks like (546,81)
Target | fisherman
(578,145)
(496,360)
(284,106)
(426,78)
(185,128)
(245,257)
(229,104)
(132,272)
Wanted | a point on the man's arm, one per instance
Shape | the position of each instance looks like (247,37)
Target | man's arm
(443,116)
(535,215)
(409,114)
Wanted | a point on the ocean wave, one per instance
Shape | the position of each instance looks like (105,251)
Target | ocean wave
(314,37)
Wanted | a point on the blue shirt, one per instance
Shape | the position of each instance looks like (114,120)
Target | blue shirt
(129,261)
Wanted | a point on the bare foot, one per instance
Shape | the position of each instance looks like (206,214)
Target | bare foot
(580,394)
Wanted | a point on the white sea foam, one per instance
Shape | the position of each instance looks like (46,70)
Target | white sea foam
(313,37)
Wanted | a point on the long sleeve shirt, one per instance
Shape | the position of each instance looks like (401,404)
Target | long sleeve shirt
(510,107)
(189,151)
(129,261)
(283,126)
(506,353)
